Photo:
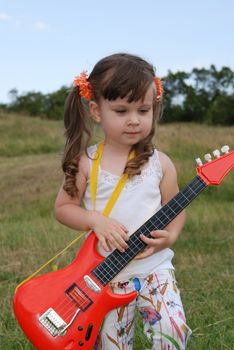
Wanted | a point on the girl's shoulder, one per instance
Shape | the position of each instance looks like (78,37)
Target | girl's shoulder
(86,159)
(83,165)
(166,163)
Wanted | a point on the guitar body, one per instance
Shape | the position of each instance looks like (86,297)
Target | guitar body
(65,296)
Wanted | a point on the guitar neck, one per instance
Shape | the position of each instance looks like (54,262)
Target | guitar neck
(116,261)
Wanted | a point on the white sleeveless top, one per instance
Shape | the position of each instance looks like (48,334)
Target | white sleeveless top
(139,200)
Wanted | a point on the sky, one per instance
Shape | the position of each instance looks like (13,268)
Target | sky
(45,44)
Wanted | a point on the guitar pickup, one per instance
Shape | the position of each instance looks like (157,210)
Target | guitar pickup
(79,297)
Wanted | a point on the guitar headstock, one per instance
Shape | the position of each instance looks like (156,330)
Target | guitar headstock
(213,171)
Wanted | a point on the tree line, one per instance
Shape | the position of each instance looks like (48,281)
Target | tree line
(202,95)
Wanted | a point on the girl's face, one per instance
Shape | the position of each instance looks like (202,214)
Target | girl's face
(125,123)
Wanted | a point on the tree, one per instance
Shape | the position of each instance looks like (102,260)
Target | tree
(189,96)
(54,103)
(31,103)
(221,111)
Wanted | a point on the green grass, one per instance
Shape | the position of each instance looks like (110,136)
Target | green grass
(29,235)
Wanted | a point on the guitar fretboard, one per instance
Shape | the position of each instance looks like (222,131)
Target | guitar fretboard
(116,261)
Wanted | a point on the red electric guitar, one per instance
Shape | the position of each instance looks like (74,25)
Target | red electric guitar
(63,310)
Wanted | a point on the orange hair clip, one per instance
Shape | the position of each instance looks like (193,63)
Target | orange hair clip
(159,88)
(84,85)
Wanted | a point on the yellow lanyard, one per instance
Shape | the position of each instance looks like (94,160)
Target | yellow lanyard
(94,181)
(93,188)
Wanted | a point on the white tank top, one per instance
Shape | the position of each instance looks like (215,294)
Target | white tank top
(139,200)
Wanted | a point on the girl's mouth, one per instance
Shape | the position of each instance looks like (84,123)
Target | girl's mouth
(132,132)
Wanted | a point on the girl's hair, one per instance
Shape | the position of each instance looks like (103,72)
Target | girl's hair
(116,76)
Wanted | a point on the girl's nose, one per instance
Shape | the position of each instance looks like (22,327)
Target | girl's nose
(133,119)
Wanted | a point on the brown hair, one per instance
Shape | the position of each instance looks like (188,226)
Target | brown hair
(115,76)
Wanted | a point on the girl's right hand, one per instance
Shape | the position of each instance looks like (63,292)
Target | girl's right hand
(109,232)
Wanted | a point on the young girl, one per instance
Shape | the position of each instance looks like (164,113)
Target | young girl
(124,97)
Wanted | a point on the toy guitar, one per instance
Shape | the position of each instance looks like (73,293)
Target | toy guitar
(63,310)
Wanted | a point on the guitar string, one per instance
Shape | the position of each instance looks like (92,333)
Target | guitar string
(187,200)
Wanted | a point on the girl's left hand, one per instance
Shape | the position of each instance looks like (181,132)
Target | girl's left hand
(161,239)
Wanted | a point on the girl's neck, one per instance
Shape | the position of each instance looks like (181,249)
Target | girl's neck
(117,149)
(114,158)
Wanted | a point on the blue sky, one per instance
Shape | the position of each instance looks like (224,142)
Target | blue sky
(45,43)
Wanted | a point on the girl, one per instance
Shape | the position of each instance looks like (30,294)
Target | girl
(124,97)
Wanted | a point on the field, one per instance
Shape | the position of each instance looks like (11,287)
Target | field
(30,151)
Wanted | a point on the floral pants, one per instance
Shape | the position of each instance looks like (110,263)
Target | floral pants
(160,307)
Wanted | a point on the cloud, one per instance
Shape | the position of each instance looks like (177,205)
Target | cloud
(40,25)
(4,16)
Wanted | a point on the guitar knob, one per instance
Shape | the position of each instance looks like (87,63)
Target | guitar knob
(208,157)
(225,149)
(198,161)
(216,153)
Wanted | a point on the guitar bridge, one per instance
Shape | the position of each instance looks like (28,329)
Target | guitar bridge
(53,322)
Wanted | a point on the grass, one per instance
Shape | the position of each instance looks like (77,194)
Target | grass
(29,235)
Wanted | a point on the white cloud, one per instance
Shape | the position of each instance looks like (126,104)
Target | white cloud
(4,16)
(40,25)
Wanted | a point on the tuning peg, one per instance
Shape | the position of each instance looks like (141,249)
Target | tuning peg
(198,161)
(208,157)
(225,149)
(216,153)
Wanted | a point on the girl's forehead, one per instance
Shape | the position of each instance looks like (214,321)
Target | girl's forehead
(147,99)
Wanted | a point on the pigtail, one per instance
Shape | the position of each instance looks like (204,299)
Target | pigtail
(78,135)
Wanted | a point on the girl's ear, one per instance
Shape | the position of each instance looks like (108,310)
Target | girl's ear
(95,111)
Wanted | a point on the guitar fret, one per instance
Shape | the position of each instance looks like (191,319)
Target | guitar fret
(104,273)
(116,261)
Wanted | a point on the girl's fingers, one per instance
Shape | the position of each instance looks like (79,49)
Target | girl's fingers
(124,228)
(114,241)
(114,236)
(158,233)
(156,237)
(104,244)
(147,240)
(119,241)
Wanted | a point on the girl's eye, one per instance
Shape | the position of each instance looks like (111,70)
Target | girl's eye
(121,111)
(143,111)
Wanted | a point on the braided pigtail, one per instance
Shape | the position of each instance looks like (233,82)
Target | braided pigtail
(78,135)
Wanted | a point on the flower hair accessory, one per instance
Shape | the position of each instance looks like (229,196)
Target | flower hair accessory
(84,85)
(159,88)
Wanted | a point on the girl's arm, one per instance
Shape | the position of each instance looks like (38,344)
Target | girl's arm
(162,239)
(69,212)
(67,209)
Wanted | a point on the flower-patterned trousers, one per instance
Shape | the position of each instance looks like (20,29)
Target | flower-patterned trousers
(158,303)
